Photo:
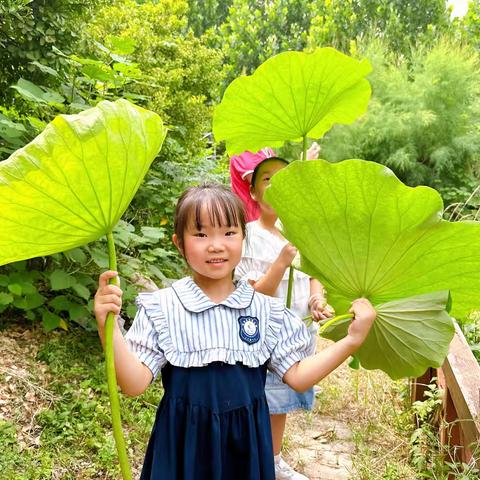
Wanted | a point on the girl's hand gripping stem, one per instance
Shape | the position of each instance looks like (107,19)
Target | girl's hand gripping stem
(107,299)
(363,316)
(108,302)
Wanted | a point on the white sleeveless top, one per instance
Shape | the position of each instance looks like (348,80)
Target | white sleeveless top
(261,248)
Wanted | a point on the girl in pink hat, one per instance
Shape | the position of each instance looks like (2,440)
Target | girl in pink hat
(265,262)
(241,169)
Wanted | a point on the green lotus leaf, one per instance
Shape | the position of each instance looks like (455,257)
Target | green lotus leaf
(362,232)
(290,96)
(408,336)
(72,183)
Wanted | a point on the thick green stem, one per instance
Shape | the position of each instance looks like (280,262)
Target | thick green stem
(290,273)
(290,287)
(112,378)
(334,320)
(326,323)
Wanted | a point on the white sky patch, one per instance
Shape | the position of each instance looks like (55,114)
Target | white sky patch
(460,7)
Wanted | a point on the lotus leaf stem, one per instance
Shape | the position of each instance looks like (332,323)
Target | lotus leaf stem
(324,324)
(334,320)
(290,273)
(290,287)
(112,378)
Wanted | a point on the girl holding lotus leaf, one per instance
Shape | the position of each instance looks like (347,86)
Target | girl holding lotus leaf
(213,342)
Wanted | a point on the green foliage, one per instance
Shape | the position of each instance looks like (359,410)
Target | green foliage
(403,25)
(29,30)
(206,14)
(255,30)
(424,440)
(184,73)
(428,456)
(73,424)
(18,464)
(58,290)
(469,26)
(422,121)
(25,289)
(72,89)
(471,329)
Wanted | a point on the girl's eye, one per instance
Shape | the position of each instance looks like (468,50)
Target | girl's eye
(266,179)
(229,234)
(199,234)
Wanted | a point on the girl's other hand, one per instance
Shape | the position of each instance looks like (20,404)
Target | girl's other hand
(286,256)
(320,309)
(364,315)
(107,299)
(313,151)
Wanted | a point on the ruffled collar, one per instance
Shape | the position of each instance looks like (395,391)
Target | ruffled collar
(193,299)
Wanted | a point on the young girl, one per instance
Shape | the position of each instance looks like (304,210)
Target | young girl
(241,170)
(213,342)
(265,263)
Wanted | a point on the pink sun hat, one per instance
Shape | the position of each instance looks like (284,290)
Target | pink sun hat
(241,168)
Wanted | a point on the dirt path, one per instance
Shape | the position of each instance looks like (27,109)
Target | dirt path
(320,446)
(350,434)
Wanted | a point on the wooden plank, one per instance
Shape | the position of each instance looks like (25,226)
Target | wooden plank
(419,385)
(462,375)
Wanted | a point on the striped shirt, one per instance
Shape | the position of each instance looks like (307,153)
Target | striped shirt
(180,325)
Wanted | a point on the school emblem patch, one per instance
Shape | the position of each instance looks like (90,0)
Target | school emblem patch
(249,330)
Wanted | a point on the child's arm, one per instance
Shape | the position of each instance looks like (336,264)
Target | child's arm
(269,283)
(304,374)
(133,377)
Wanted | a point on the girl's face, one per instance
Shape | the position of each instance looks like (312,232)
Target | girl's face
(262,180)
(211,251)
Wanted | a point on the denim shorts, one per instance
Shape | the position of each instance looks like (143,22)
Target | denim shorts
(283,399)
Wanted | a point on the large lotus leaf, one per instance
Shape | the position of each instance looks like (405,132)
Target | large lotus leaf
(408,336)
(72,183)
(289,96)
(362,232)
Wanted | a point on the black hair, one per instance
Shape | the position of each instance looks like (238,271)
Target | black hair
(223,206)
(257,168)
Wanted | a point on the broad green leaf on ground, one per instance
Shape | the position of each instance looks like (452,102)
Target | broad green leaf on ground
(362,232)
(289,96)
(407,337)
(72,183)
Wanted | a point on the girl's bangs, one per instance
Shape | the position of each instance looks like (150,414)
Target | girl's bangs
(221,211)
(222,208)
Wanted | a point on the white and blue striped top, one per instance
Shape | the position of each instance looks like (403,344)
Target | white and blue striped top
(182,326)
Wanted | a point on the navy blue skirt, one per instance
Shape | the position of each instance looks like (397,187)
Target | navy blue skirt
(212,424)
